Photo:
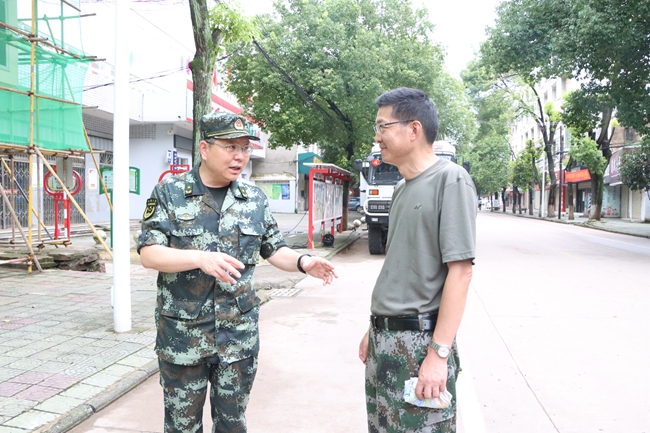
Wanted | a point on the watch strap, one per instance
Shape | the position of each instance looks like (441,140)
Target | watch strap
(299,265)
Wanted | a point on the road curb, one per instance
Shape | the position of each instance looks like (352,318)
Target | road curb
(84,411)
(587,224)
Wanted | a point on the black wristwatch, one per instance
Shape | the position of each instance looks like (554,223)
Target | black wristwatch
(299,260)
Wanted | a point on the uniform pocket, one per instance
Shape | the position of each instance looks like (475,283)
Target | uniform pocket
(186,310)
(186,237)
(247,301)
(250,241)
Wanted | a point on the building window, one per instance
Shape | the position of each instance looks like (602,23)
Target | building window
(554,92)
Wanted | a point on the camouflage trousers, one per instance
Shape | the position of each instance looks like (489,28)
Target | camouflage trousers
(185,388)
(393,358)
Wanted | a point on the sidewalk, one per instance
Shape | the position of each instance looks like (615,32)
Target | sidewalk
(61,361)
(614,225)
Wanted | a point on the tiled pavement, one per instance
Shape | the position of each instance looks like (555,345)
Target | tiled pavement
(60,359)
(58,351)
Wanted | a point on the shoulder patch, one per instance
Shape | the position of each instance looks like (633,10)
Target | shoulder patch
(188,188)
(243,192)
(150,209)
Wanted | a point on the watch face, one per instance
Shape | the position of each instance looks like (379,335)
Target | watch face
(443,351)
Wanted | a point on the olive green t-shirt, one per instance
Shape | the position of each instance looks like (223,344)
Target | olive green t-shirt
(432,221)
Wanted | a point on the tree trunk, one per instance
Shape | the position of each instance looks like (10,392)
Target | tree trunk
(503,200)
(569,197)
(531,199)
(596,196)
(550,206)
(514,199)
(202,67)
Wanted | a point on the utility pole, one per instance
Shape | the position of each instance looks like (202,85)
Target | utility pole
(559,205)
(543,187)
(121,247)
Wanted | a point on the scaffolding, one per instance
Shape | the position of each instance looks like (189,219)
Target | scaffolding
(41,83)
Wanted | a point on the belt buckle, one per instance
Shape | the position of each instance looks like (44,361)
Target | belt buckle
(420,322)
(386,323)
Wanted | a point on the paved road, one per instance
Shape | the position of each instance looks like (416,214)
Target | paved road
(556,331)
(555,339)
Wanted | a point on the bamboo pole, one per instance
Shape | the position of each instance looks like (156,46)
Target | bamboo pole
(20,229)
(74,202)
(32,91)
(37,95)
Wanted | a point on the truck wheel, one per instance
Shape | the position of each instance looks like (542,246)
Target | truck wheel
(376,243)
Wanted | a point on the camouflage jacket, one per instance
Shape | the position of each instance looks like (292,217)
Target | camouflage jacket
(198,316)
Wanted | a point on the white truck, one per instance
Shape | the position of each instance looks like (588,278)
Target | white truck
(378,180)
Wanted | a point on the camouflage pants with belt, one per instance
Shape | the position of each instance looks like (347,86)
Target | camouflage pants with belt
(185,389)
(393,358)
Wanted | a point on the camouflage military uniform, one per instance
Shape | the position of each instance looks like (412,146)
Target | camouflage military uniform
(203,323)
(388,366)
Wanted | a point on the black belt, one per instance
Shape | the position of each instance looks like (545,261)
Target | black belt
(413,322)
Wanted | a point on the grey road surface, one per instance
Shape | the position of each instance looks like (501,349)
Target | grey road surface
(555,338)
(556,334)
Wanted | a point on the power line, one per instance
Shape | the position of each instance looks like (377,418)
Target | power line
(173,71)
(161,30)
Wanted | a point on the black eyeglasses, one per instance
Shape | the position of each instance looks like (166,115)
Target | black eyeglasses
(379,128)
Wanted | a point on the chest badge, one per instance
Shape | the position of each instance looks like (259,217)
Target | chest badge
(152,203)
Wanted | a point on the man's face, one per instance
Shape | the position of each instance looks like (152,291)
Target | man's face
(221,164)
(393,139)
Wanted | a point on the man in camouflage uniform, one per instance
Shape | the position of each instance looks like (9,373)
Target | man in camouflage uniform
(204,231)
(419,297)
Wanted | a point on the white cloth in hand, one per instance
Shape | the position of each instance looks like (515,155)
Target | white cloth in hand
(441,402)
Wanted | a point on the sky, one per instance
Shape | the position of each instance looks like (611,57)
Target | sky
(460,25)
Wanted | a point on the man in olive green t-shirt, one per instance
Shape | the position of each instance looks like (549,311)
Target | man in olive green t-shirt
(420,294)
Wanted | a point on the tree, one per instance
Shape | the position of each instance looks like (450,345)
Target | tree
(586,152)
(603,43)
(489,153)
(635,167)
(315,73)
(212,29)
(525,174)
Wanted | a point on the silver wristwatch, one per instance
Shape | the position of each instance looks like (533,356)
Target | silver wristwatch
(442,350)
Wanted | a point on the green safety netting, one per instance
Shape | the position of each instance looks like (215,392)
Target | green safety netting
(57,74)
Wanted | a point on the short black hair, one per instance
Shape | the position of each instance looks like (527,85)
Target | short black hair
(414,104)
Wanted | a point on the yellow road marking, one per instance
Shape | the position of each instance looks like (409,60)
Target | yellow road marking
(571,255)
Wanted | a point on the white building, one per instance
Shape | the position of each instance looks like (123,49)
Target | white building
(618,200)
(160,98)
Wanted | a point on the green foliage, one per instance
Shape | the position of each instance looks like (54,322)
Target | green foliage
(333,59)
(585,151)
(489,153)
(524,168)
(603,42)
(490,162)
(582,111)
(228,17)
(635,166)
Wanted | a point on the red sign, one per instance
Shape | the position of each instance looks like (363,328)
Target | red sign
(577,176)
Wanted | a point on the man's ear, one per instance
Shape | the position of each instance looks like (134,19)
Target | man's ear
(203,149)
(416,129)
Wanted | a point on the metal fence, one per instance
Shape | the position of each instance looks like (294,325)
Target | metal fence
(17,194)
